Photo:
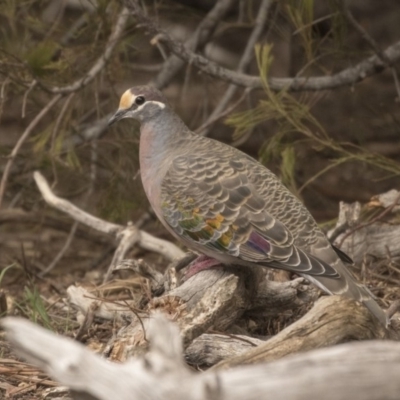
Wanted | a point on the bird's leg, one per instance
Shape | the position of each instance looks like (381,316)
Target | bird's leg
(200,264)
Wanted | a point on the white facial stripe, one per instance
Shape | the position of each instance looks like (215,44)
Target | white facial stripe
(158,103)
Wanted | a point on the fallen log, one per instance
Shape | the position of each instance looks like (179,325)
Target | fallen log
(367,370)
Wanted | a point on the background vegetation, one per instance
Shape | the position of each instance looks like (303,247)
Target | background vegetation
(308,87)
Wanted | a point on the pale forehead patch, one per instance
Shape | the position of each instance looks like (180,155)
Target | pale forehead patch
(127,100)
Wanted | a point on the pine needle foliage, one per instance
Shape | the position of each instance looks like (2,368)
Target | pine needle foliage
(295,122)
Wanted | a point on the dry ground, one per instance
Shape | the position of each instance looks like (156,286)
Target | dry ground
(43,300)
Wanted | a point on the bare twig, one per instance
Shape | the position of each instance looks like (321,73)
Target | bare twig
(83,300)
(201,129)
(3,94)
(200,37)
(60,91)
(127,239)
(170,67)
(244,62)
(126,236)
(370,222)
(73,211)
(348,76)
(89,192)
(59,119)
(26,94)
(393,309)
(21,141)
(144,269)
(61,253)
(372,43)
(342,228)
(101,61)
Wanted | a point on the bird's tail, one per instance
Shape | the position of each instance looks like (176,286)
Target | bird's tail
(376,310)
(347,286)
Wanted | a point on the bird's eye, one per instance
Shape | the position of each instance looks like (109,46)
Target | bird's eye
(140,100)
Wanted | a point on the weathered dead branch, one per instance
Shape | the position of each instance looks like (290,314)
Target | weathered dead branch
(212,300)
(216,300)
(331,321)
(126,236)
(374,237)
(367,370)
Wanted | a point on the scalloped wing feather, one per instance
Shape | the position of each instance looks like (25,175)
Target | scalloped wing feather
(216,203)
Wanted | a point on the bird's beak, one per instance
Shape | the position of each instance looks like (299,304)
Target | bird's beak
(116,117)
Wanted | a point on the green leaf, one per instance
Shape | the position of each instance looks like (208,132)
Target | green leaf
(288,167)
(40,59)
(35,307)
(4,270)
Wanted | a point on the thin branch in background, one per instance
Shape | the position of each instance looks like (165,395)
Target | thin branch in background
(146,67)
(101,62)
(338,231)
(146,241)
(61,253)
(56,20)
(58,122)
(243,138)
(60,91)
(372,43)
(171,67)
(76,26)
(373,220)
(224,113)
(21,141)
(3,94)
(349,76)
(54,134)
(244,62)
(314,22)
(185,85)
(89,192)
(155,42)
(200,37)
(26,94)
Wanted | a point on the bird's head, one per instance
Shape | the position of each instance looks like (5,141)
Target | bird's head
(140,103)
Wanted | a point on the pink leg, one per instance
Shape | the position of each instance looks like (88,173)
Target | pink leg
(200,264)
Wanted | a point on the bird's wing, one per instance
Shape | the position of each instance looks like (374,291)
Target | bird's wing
(211,202)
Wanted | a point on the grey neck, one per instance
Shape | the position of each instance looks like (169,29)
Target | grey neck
(162,137)
(163,132)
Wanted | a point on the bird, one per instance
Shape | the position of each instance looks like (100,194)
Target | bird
(228,207)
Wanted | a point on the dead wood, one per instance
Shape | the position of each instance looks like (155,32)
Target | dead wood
(332,320)
(126,236)
(374,237)
(211,300)
(218,299)
(273,298)
(367,370)
(209,349)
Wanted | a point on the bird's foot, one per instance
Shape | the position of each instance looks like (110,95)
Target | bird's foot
(201,263)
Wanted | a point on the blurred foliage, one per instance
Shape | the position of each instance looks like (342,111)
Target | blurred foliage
(301,14)
(33,308)
(37,53)
(293,117)
(44,45)
(40,59)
